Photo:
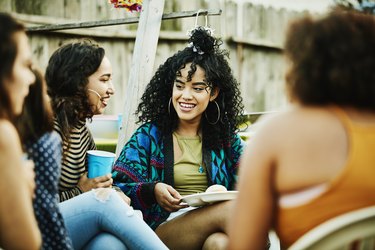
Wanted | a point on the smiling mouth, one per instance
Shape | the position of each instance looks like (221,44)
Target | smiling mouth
(186,106)
(104,101)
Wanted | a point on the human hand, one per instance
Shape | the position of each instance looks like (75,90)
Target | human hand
(86,184)
(124,197)
(167,197)
(30,176)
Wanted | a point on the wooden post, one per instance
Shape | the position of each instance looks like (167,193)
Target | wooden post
(142,65)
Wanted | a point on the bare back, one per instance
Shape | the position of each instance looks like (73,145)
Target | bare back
(311,147)
(290,160)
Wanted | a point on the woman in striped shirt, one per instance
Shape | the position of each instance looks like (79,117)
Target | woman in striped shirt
(79,79)
(98,219)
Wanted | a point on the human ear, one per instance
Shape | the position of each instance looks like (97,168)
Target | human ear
(214,93)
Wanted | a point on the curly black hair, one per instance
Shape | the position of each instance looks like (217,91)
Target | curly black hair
(333,59)
(67,77)
(203,50)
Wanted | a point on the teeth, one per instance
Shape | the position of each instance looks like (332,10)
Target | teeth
(187,105)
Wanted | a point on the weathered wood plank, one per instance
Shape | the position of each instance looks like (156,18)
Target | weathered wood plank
(91,24)
(142,65)
(5,5)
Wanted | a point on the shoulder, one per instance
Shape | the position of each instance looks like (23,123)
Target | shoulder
(144,136)
(149,129)
(50,139)
(10,146)
(148,126)
(292,128)
(8,134)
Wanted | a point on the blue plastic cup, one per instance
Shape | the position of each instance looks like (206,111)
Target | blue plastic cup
(99,163)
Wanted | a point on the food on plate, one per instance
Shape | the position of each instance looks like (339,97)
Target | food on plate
(216,188)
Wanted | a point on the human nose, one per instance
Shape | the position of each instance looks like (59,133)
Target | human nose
(186,94)
(32,78)
(111,89)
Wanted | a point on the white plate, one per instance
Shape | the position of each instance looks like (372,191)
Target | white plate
(201,199)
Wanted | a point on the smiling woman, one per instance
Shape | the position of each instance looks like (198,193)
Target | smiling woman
(187,142)
(17,220)
(79,79)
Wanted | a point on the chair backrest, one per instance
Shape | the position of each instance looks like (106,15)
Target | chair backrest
(354,229)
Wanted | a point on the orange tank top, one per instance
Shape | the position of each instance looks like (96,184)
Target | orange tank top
(353,188)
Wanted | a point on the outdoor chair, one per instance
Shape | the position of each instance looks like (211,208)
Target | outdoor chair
(353,230)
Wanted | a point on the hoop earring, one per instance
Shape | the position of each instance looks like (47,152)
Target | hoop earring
(218,116)
(169,106)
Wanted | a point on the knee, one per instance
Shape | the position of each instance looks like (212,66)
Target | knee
(103,194)
(105,241)
(224,212)
(216,241)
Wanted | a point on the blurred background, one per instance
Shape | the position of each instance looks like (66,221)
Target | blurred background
(252,31)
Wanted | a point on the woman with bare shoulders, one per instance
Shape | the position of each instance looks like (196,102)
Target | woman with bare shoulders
(316,160)
(18,227)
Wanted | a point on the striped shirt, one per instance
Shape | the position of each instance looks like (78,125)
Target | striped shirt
(74,162)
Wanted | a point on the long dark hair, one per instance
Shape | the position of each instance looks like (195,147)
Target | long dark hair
(8,52)
(36,118)
(203,50)
(67,77)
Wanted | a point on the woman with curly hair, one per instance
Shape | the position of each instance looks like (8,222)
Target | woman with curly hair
(314,161)
(79,80)
(190,113)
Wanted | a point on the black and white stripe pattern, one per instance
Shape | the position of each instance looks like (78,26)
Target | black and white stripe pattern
(74,162)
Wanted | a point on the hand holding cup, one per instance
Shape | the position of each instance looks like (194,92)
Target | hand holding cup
(99,170)
(99,163)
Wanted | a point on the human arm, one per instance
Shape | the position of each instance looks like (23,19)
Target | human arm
(132,171)
(168,197)
(74,180)
(17,220)
(86,184)
(253,209)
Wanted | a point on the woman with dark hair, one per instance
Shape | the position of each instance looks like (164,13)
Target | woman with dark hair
(314,161)
(18,227)
(79,80)
(190,112)
(43,147)
(98,219)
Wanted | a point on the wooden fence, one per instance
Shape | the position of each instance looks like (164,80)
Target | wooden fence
(252,33)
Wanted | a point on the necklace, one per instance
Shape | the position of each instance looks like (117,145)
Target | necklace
(187,146)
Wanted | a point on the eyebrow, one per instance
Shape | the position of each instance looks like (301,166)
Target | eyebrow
(108,75)
(195,83)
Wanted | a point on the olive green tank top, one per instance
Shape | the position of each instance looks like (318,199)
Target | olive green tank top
(189,173)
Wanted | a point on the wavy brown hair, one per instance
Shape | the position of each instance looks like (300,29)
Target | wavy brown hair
(67,77)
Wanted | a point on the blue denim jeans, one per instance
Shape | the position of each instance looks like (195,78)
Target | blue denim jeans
(101,218)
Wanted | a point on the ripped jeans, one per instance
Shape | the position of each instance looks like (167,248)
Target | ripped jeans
(100,219)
